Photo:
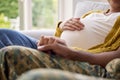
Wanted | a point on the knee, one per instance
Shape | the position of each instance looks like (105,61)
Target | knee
(12,51)
(17,51)
(9,51)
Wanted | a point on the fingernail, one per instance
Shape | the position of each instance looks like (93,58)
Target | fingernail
(39,47)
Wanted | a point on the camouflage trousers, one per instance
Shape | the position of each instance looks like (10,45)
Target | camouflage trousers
(15,60)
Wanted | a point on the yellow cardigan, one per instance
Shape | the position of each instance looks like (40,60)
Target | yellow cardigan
(112,40)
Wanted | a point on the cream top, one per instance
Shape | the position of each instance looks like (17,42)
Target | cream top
(97,26)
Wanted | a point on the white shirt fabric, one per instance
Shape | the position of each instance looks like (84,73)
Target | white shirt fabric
(97,26)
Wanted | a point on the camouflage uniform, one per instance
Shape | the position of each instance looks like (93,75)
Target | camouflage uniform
(15,60)
(113,68)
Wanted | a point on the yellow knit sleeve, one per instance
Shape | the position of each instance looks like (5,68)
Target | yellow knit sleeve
(58,30)
(77,48)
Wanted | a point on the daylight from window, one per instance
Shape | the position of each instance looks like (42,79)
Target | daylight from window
(9,14)
(44,14)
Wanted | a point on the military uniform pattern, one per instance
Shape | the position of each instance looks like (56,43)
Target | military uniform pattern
(113,67)
(16,60)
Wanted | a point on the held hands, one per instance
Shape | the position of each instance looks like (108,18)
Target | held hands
(50,40)
(54,44)
(72,25)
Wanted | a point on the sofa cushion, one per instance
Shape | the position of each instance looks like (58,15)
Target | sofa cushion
(82,7)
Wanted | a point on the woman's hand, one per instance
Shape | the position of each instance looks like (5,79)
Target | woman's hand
(72,25)
(49,40)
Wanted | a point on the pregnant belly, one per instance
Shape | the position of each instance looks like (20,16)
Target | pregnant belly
(83,39)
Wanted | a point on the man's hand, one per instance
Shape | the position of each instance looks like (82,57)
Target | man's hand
(72,25)
(56,45)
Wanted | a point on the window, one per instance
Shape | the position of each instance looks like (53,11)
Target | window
(34,14)
(37,14)
(9,14)
(44,14)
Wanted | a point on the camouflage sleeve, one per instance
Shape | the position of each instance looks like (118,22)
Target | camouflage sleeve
(113,68)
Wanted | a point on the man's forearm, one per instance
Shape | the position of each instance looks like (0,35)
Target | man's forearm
(82,56)
(97,59)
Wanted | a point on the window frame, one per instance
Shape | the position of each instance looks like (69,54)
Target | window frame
(65,11)
(25,13)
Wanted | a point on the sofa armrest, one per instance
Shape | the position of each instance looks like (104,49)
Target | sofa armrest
(37,33)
